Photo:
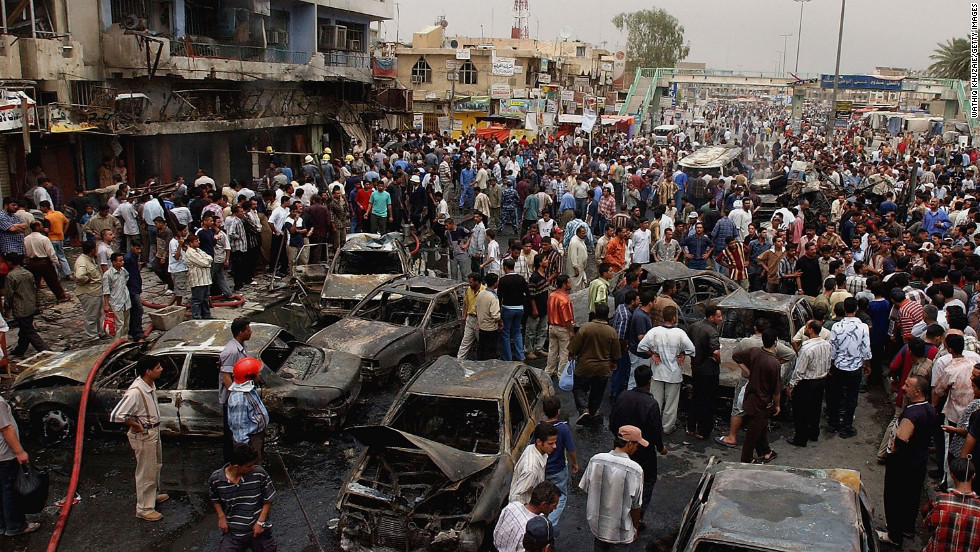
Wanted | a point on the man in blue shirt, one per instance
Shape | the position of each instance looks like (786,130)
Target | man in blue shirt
(556,468)
(889,205)
(466,177)
(680,178)
(935,220)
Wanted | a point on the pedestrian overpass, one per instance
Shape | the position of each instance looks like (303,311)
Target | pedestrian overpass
(652,84)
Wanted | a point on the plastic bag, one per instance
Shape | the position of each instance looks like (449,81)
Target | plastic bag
(567,379)
(109,324)
(32,487)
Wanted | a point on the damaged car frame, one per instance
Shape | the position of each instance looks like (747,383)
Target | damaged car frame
(399,325)
(300,384)
(436,472)
(329,291)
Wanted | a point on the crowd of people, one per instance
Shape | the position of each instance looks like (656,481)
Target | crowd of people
(888,263)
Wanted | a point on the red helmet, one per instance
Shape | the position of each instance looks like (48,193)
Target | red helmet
(246,367)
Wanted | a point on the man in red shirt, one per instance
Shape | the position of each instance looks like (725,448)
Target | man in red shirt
(616,249)
(910,312)
(561,325)
(954,517)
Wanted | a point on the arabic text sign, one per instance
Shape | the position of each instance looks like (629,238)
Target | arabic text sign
(503,67)
(863,82)
(11,114)
(520,107)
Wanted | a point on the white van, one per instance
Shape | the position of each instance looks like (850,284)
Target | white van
(660,133)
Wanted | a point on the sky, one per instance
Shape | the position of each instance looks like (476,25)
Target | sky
(725,34)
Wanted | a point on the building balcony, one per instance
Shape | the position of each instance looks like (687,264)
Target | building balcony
(50,59)
(236,52)
(9,57)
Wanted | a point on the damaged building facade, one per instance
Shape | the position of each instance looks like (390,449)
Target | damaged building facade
(170,86)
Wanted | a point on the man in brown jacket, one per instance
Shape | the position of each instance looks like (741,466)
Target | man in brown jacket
(595,348)
(761,396)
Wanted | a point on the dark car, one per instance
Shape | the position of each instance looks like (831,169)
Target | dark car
(695,288)
(747,507)
(399,325)
(436,472)
(301,384)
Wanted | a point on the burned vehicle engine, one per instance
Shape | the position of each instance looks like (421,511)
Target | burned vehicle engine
(436,473)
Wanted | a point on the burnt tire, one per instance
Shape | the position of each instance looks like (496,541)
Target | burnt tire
(404,371)
(53,423)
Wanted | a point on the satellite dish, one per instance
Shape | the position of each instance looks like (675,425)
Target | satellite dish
(454,43)
(565,32)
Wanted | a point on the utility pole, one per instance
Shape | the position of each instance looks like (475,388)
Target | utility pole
(833,98)
(799,36)
(785,36)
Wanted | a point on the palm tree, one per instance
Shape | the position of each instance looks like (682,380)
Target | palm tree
(952,60)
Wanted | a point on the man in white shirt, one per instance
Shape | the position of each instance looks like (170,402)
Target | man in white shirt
(529,470)
(614,484)
(666,345)
(203,178)
(546,225)
(641,243)
(131,228)
(276,220)
(508,535)
(741,216)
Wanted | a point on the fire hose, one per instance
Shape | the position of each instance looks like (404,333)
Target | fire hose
(79,441)
(237,301)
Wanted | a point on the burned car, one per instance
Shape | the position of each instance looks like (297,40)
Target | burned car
(436,472)
(301,384)
(365,261)
(739,507)
(695,288)
(399,325)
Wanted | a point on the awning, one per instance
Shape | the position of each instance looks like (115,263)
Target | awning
(11,114)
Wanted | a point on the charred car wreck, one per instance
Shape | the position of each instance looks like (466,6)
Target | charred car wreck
(301,384)
(331,290)
(436,472)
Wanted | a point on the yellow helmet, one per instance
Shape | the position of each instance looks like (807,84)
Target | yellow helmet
(327,150)
(349,157)
(326,157)
(268,149)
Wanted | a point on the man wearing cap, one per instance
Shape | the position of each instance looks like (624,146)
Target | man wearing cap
(247,416)
(539,535)
(511,529)
(614,484)
(233,351)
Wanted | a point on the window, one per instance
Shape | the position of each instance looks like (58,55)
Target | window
(204,373)
(580,51)
(532,388)
(445,310)
(518,418)
(467,73)
(421,72)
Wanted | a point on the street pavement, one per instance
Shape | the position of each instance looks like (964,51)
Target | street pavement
(308,469)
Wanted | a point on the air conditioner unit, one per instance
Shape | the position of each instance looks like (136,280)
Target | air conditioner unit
(279,38)
(333,37)
(417,79)
(354,45)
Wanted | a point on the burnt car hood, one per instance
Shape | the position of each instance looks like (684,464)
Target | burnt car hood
(454,463)
(337,370)
(364,338)
(352,286)
(72,365)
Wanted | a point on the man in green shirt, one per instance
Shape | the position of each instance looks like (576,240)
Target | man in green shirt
(380,209)
(531,208)
(599,288)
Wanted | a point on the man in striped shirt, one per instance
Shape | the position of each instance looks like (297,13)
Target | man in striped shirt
(806,384)
(242,495)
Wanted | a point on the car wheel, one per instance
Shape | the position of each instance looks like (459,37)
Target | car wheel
(404,371)
(55,423)
(274,432)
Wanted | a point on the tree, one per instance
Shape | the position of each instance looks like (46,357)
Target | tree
(654,38)
(952,60)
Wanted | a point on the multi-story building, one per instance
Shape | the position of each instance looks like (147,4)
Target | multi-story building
(455,80)
(170,86)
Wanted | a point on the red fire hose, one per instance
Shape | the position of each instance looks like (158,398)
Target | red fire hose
(418,244)
(79,441)
(236,302)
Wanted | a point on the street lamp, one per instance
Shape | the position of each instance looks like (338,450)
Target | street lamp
(799,36)
(785,36)
(833,99)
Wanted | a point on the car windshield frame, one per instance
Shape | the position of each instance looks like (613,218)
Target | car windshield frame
(736,323)
(380,307)
(483,412)
(367,262)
